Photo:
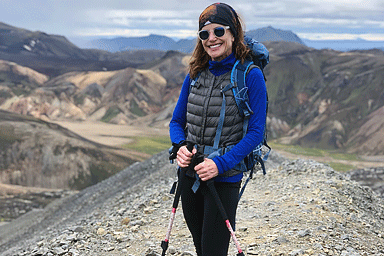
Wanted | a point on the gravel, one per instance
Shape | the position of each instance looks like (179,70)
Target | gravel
(301,207)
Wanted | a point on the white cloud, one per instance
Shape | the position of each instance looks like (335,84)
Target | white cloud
(178,18)
(133,19)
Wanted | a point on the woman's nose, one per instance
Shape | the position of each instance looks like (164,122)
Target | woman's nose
(212,36)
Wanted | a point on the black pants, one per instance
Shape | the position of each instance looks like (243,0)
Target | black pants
(210,234)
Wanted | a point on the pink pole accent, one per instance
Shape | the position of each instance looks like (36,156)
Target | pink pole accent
(170,224)
(233,236)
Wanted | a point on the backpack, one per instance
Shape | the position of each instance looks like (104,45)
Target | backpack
(260,58)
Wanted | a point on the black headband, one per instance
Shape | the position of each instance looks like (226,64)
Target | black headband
(219,13)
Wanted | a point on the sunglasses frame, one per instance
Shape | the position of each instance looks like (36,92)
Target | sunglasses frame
(214,32)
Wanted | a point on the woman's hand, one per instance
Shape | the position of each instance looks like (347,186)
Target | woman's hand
(184,156)
(207,169)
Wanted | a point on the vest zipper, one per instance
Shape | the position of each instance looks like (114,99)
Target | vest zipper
(206,105)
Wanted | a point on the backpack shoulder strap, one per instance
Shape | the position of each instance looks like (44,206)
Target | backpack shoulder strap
(240,91)
(239,72)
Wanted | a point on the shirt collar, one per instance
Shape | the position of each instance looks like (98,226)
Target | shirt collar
(221,67)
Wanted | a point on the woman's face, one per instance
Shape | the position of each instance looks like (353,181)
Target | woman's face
(218,48)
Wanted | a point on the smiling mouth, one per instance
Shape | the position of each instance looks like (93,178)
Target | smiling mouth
(214,46)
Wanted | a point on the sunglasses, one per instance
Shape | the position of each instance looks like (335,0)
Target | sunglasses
(218,32)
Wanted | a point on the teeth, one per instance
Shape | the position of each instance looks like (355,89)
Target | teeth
(215,46)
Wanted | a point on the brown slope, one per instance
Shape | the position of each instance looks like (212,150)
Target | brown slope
(17,80)
(370,136)
(36,153)
(323,94)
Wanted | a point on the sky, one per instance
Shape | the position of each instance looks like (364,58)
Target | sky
(89,19)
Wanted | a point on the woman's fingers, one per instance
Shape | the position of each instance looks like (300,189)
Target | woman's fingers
(207,169)
(184,156)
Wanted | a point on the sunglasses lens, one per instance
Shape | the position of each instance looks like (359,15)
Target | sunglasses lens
(219,32)
(203,34)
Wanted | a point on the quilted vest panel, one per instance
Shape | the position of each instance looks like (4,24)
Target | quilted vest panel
(203,111)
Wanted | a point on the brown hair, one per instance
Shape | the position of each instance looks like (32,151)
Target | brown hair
(200,59)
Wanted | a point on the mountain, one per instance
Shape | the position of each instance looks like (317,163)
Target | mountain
(344,45)
(272,34)
(318,98)
(163,43)
(326,96)
(157,42)
(151,42)
(54,55)
(119,96)
(20,41)
(35,153)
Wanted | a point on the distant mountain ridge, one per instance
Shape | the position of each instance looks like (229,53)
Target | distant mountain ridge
(345,45)
(269,33)
(165,43)
(17,40)
(266,34)
(154,42)
(54,55)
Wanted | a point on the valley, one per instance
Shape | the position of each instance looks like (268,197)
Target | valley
(70,118)
(111,134)
(120,135)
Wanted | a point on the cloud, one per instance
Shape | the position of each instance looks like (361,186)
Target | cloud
(178,18)
(139,23)
(149,18)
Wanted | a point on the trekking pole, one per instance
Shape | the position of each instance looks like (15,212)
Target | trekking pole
(219,204)
(164,244)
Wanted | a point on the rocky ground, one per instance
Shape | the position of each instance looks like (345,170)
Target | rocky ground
(300,207)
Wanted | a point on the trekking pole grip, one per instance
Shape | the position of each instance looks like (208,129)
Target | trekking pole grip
(190,146)
(181,178)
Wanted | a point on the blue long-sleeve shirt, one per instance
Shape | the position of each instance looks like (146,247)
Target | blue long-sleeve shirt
(257,101)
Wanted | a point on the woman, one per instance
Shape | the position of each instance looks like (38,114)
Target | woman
(196,118)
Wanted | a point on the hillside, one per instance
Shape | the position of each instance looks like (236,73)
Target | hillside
(299,208)
(326,96)
(54,55)
(35,153)
(318,98)
(112,96)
